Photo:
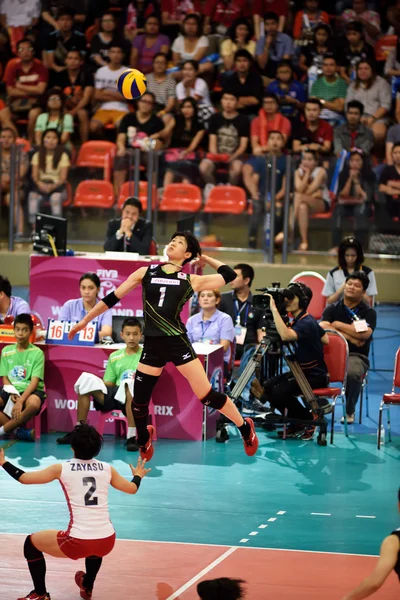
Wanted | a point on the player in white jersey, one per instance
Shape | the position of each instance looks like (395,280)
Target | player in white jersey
(90,534)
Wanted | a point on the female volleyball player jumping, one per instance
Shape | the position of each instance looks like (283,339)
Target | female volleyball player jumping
(90,534)
(165,291)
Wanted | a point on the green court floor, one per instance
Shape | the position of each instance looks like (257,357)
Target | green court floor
(293,494)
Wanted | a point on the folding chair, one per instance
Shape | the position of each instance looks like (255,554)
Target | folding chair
(336,356)
(390,399)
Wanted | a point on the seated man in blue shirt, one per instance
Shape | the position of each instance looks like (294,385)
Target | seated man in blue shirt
(308,338)
(10,306)
(272,47)
(356,321)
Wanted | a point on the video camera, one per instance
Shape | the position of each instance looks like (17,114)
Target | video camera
(262,302)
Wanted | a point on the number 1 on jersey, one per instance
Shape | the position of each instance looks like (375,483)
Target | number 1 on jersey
(162,295)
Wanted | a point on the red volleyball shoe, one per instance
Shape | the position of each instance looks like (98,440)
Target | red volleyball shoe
(85,593)
(147,451)
(251,441)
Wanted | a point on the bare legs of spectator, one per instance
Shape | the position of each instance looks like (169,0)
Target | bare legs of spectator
(207,168)
(56,200)
(32,116)
(169,177)
(379,130)
(96,128)
(6,120)
(235,171)
(83,119)
(303,205)
(119,179)
(252,182)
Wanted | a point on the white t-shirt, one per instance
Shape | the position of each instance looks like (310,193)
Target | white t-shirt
(85,484)
(324,188)
(20,14)
(179,47)
(200,89)
(106,79)
(336,278)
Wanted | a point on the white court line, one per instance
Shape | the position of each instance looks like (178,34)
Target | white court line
(281,512)
(322,514)
(194,579)
(244,540)
(262,526)
(223,546)
(365,517)
(272,519)
(253,533)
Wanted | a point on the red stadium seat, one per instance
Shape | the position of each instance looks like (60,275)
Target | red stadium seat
(390,399)
(94,193)
(384,45)
(179,197)
(336,355)
(97,154)
(316,282)
(228,199)
(127,190)
(69,199)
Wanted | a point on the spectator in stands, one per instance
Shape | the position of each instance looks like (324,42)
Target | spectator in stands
(392,63)
(10,306)
(245,84)
(393,136)
(355,50)
(374,93)
(272,47)
(312,54)
(350,260)
(228,134)
(389,183)
(393,16)
(162,86)
(369,19)
(137,12)
(187,133)
(354,197)
(221,14)
(77,83)
(212,326)
(141,129)
(331,90)
(195,87)
(107,394)
(341,316)
(26,82)
(173,13)
(103,40)
(113,106)
(21,366)
(240,37)
(311,194)
(290,92)
(20,18)
(254,177)
(191,44)
(314,133)
(269,119)
(64,38)
(260,7)
(129,233)
(239,305)
(146,45)
(353,134)
(51,10)
(307,19)
(54,118)
(50,165)
(78,308)
(7,139)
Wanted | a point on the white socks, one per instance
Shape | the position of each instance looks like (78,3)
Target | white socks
(131,432)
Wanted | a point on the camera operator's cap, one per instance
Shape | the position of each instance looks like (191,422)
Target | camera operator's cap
(302,291)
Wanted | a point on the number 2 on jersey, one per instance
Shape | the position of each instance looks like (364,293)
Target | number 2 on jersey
(162,295)
(90,500)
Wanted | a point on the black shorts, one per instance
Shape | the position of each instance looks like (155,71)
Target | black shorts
(158,351)
(110,403)
(41,394)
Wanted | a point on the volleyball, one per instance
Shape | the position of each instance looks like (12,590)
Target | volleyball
(132,84)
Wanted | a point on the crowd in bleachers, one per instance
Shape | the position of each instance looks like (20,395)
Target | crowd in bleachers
(229,83)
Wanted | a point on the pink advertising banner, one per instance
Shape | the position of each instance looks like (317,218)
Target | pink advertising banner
(54,280)
(178,413)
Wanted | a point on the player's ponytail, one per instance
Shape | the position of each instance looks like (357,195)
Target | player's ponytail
(86,441)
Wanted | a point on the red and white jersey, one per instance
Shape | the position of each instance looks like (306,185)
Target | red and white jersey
(85,484)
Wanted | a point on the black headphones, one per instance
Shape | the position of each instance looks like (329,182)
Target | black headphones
(303,292)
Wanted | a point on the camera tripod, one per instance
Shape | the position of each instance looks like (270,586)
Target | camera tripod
(276,352)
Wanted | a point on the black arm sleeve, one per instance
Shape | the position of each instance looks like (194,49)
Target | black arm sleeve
(141,245)
(15,472)
(227,273)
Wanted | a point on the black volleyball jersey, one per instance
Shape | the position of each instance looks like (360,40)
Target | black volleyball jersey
(397,565)
(164,296)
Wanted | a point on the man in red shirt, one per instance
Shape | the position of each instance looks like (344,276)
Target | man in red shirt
(221,14)
(26,81)
(313,133)
(269,119)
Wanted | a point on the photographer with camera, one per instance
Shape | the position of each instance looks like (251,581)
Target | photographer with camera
(356,321)
(307,338)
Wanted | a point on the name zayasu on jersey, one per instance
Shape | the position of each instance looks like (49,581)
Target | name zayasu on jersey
(164,296)
(85,484)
